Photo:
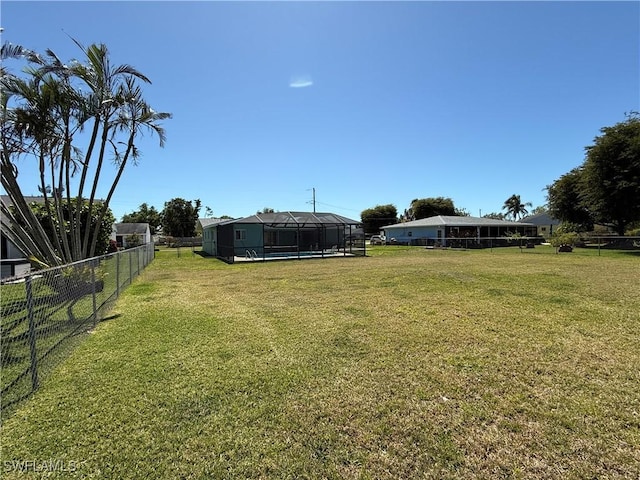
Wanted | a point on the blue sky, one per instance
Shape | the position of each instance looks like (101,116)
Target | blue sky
(367,102)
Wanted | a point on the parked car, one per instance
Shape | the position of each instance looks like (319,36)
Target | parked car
(378,240)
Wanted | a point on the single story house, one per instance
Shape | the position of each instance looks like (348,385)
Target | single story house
(544,223)
(282,235)
(131,234)
(442,230)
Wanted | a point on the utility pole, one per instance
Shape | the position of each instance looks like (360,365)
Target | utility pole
(314,199)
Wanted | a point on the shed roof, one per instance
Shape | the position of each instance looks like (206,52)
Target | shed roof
(456,221)
(130,228)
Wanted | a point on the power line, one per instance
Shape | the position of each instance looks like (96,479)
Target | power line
(336,206)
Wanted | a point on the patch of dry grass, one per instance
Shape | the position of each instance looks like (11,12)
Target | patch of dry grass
(406,364)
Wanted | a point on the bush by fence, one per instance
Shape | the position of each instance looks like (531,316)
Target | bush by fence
(46,313)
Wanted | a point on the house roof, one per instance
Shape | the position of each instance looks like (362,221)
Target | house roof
(131,228)
(6,199)
(206,222)
(298,218)
(541,219)
(456,221)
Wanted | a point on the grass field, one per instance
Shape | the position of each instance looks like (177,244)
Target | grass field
(409,363)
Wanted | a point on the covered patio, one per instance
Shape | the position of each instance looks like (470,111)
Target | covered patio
(288,235)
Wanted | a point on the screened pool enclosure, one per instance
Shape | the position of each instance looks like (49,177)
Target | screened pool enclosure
(281,235)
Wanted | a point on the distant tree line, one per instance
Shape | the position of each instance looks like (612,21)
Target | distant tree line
(177,219)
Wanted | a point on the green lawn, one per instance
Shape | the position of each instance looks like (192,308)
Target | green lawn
(410,363)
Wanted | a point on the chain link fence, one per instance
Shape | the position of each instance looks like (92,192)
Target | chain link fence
(46,313)
(579,244)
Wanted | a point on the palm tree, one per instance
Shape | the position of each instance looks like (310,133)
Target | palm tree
(515,208)
(48,108)
(23,131)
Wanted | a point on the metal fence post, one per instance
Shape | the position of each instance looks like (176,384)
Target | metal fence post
(130,267)
(93,290)
(32,335)
(117,274)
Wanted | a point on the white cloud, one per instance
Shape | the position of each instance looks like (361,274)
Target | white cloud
(301,81)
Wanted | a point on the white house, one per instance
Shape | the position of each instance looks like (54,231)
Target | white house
(447,230)
(125,233)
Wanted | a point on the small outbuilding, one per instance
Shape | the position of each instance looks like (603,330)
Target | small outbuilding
(281,235)
(129,235)
(442,230)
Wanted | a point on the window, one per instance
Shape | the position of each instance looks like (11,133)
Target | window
(241,234)
(409,234)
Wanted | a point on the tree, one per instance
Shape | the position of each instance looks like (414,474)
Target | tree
(567,203)
(539,209)
(179,217)
(373,219)
(87,222)
(265,210)
(605,189)
(515,208)
(144,214)
(41,113)
(430,207)
(494,216)
(611,175)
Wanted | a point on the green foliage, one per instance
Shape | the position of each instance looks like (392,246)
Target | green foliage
(133,240)
(494,216)
(373,219)
(564,239)
(611,174)
(565,235)
(42,110)
(179,217)
(431,206)
(605,189)
(145,214)
(566,201)
(515,208)
(91,222)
